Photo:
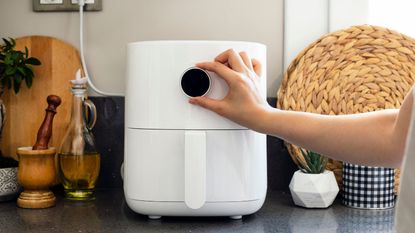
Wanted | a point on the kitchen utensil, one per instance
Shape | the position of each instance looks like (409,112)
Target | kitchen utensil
(37,164)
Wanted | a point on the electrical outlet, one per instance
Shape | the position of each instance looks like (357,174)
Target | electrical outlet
(65,5)
(86,1)
(51,1)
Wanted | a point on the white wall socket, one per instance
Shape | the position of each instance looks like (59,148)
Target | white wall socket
(65,5)
(86,1)
(51,1)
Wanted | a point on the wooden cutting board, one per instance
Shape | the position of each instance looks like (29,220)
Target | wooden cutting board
(26,110)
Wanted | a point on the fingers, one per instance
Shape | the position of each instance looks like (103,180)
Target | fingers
(232,58)
(211,104)
(246,59)
(257,67)
(241,60)
(220,69)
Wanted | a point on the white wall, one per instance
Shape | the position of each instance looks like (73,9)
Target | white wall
(305,20)
(124,21)
(398,15)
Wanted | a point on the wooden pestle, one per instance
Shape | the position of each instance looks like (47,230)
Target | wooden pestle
(45,131)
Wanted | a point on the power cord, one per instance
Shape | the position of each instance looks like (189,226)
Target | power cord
(81,4)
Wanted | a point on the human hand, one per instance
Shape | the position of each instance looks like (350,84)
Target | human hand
(243,103)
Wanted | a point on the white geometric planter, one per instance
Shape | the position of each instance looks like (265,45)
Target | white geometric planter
(314,190)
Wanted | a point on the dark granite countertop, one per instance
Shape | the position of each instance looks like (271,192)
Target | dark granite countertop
(109,213)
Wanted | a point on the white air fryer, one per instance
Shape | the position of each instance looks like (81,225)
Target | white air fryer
(181,159)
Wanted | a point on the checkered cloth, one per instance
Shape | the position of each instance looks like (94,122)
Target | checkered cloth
(368,187)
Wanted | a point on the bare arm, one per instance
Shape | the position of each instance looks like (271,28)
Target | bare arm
(367,139)
(376,138)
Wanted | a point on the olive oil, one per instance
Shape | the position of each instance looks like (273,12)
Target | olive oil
(78,160)
(79,174)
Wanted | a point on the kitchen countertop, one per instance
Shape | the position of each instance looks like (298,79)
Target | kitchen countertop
(109,213)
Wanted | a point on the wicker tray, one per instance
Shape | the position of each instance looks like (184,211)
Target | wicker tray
(358,69)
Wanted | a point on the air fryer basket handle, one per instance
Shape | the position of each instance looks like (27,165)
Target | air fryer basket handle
(195,168)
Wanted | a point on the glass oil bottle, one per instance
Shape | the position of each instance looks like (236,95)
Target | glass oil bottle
(78,161)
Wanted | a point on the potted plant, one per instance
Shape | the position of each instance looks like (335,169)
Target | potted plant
(312,186)
(15,67)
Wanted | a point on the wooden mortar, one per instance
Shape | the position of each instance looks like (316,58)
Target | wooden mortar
(37,164)
(36,174)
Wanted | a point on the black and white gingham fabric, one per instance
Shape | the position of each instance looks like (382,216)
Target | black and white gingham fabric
(368,187)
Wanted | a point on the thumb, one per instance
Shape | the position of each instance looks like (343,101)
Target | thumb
(211,104)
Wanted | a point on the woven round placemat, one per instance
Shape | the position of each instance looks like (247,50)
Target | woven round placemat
(358,69)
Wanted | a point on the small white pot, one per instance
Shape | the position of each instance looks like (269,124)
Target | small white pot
(9,186)
(314,190)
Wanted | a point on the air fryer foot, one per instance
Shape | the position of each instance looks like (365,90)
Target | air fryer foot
(154,217)
(236,217)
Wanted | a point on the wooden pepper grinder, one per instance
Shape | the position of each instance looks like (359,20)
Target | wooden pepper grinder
(37,164)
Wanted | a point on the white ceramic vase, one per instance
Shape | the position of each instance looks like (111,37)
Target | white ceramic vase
(313,190)
(9,186)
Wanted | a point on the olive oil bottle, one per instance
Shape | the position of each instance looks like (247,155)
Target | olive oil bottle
(78,161)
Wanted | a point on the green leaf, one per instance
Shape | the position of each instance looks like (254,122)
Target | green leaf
(29,81)
(307,159)
(29,71)
(17,78)
(15,57)
(26,54)
(10,70)
(319,168)
(15,66)
(33,61)
(6,42)
(9,44)
(13,42)
(21,71)
(315,162)
(313,168)
(8,59)
(17,82)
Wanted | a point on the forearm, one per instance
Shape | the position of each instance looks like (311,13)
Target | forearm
(376,138)
(367,138)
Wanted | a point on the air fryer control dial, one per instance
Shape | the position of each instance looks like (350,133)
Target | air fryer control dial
(195,82)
